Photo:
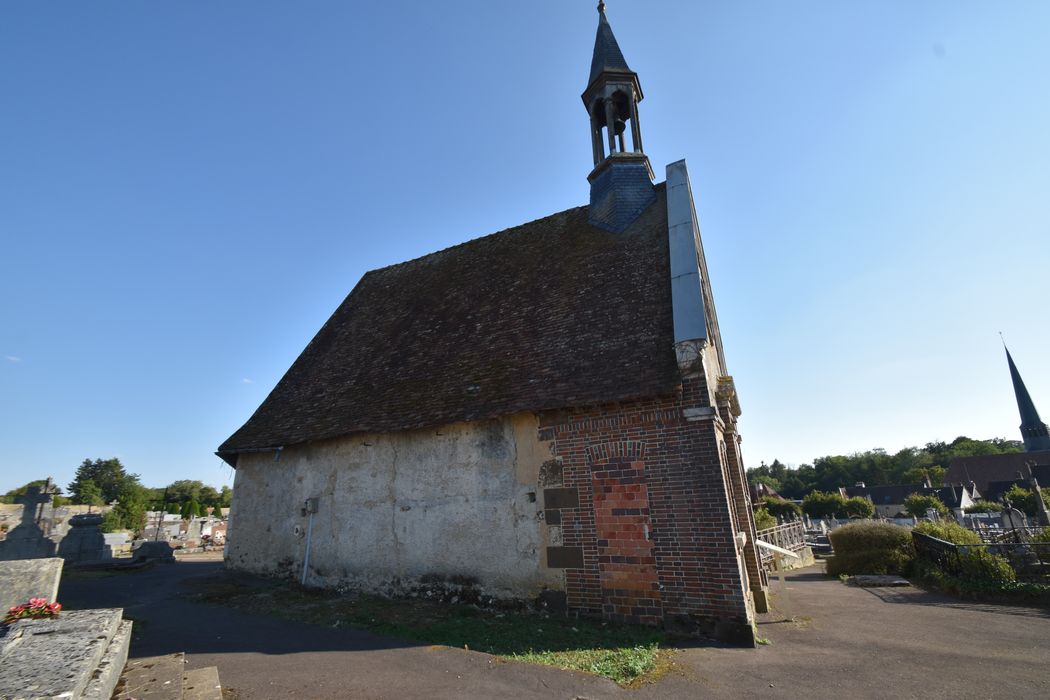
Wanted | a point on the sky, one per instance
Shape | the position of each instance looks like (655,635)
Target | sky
(189,189)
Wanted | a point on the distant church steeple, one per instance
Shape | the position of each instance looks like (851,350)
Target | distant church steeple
(622,179)
(1033,429)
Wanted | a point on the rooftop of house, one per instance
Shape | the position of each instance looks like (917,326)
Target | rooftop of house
(894,494)
(551,314)
(984,469)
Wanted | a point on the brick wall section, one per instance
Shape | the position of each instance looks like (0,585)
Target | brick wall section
(655,518)
(742,496)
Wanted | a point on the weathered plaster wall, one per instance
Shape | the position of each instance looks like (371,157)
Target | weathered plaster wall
(458,500)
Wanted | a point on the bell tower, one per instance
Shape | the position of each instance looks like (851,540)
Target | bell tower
(622,179)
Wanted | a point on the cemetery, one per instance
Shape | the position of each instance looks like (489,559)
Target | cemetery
(49,652)
(88,652)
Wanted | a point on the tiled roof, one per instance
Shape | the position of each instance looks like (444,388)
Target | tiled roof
(996,489)
(551,314)
(983,469)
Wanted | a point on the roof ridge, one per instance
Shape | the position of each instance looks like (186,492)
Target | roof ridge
(471,241)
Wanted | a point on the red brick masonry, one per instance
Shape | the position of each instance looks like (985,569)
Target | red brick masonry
(646,514)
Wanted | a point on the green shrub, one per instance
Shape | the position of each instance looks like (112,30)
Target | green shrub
(868,534)
(763,520)
(979,565)
(1043,536)
(982,506)
(859,507)
(872,561)
(780,508)
(1024,499)
(949,532)
(917,505)
(822,504)
(869,547)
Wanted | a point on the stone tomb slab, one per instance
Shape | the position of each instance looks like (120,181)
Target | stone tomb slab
(55,658)
(22,579)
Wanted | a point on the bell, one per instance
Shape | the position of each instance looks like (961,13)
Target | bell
(620,126)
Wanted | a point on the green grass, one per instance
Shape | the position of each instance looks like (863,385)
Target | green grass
(629,655)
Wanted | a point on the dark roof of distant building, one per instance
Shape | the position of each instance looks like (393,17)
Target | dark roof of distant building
(983,469)
(761,490)
(883,495)
(552,314)
(894,494)
(996,489)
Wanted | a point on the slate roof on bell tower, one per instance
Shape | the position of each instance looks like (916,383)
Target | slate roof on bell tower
(607,53)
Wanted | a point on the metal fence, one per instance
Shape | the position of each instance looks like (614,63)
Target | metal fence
(1019,535)
(790,536)
(1030,560)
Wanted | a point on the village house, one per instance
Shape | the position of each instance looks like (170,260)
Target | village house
(889,499)
(544,412)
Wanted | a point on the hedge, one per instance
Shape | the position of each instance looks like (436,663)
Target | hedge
(869,547)
(949,532)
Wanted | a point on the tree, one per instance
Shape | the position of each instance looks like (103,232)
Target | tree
(823,504)
(90,494)
(208,496)
(764,479)
(763,520)
(11,495)
(191,509)
(918,475)
(1024,499)
(108,475)
(225,497)
(185,490)
(859,507)
(917,505)
(130,511)
(780,508)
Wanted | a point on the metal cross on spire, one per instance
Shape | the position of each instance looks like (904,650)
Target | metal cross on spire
(601,5)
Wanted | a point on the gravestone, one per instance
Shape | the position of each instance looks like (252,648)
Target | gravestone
(1012,518)
(26,540)
(154,552)
(23,579)
(84,542)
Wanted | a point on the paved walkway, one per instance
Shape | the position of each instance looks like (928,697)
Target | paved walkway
(827,640)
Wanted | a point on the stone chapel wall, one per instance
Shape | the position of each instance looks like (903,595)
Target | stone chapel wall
(456,501)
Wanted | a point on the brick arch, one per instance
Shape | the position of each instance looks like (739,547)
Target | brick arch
(625,450)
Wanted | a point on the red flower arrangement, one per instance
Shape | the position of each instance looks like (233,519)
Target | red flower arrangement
(35,609)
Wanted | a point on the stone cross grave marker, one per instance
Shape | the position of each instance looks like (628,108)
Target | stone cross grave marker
(26,540)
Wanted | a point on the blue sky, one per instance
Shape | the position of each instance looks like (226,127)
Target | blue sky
(189,189)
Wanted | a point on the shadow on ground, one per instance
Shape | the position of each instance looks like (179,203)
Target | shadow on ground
(198,607)
(927,598)
(168,620)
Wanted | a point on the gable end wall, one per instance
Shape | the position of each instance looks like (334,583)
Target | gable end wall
(656,518)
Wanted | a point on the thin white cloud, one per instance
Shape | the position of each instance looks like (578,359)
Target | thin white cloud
(12,358)
(247,381)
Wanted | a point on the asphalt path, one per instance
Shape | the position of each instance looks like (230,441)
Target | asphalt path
(826,640)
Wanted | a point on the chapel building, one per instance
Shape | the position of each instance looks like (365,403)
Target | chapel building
(544,412)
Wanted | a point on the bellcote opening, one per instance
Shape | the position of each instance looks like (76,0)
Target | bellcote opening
(622,178)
